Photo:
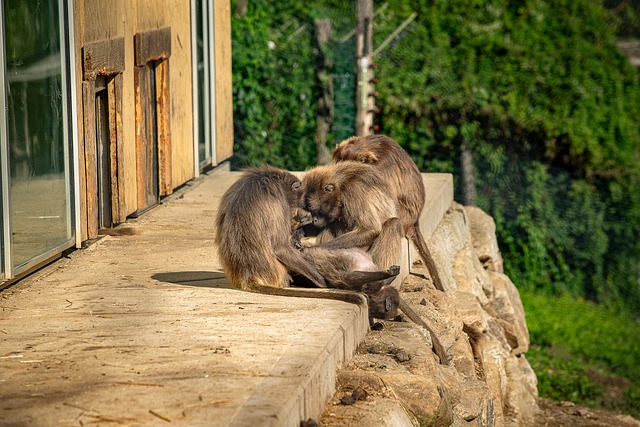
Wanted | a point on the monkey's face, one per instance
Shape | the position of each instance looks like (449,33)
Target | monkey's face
(355,149)
(384,303)
(322,198)
(294,191)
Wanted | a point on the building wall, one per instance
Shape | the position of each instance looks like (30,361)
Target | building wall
(97,20)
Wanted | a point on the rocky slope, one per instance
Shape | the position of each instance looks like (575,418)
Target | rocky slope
(396,379)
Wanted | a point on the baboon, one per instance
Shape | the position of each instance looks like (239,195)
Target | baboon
(351,201)
(253,236)
(403,178)
(353,269)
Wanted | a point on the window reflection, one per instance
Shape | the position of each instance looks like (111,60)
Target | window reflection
(37,147)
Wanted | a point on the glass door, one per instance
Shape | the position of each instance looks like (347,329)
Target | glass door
(38,216)
(204,84)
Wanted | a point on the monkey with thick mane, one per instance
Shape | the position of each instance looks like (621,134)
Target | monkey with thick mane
(404,180)
(351,201)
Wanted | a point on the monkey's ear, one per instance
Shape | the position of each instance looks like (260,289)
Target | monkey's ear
(328,188)
(296,185)
(388,304)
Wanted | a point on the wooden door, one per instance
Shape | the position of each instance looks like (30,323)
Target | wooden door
(153,143)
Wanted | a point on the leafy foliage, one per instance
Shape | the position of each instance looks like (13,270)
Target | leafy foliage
(537,90)
(549,107)
(273,85)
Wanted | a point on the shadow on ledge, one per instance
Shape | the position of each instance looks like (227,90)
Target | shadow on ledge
(202,279)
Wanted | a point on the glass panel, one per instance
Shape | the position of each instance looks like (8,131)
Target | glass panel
(38,190)
(201,85)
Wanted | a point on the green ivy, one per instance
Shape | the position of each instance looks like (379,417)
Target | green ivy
(536,89)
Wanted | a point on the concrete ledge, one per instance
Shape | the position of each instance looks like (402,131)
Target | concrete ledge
(142,329)
(438,199)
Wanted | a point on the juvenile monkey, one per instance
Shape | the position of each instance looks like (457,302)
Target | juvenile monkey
(253,236)
(403,178)
(353,269)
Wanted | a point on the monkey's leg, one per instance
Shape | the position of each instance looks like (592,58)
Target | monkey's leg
(418,240)
(385,250)
(294,261)
(359,278)
(352,239)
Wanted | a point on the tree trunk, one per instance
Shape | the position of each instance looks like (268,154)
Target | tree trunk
(241,8)
(325,80)
(467,171)
(364,74)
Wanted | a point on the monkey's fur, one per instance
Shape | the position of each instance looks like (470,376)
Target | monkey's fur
(403,177)
(353,269)
(253,236)
(351,201)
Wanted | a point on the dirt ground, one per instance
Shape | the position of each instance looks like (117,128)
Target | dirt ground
(562,414)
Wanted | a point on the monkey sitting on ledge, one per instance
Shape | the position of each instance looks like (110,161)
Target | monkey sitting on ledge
(404,180)
(350,201)
(253,237)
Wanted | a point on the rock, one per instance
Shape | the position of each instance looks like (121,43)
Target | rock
(505,305)
(480,322)
(483,234)
(348,400)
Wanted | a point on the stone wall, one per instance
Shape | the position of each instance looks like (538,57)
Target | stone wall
(479,320)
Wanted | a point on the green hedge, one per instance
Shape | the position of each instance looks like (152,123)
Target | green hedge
(537,90)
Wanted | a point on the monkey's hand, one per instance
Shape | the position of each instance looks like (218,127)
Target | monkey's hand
(394,270)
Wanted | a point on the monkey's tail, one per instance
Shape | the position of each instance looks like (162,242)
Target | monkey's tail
(425,254)
(332,294)
(438,348)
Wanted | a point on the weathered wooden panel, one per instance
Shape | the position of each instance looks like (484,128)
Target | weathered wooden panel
(104,57)
(90,162)
(103,20)
(152,45)
(163,127)
(78,33)
(181,94)
(146,149)
(118,213)
(98,20)
(224,90)
(152,14)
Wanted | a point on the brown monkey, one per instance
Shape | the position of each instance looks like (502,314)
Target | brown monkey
(352,201)
(353,269)
(404,180)
(253,236)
